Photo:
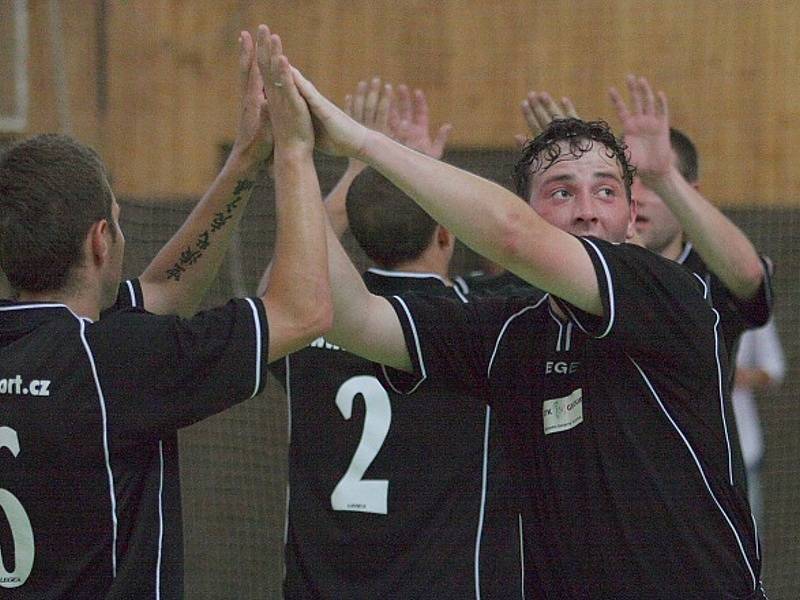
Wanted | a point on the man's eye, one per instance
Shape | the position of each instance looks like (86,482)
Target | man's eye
(608,192)
(561,194)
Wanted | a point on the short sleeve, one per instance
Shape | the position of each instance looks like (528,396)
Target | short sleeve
(129,295)
(159,373)
(449,342)
(278,369)
(739,315)
(655,308)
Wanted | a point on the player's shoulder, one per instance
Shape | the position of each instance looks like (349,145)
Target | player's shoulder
(634,256)
(489,310)
(133,325)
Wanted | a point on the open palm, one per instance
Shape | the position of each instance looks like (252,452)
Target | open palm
(645,126)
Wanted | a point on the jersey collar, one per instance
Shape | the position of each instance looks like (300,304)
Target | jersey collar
(407,274)
(687,250)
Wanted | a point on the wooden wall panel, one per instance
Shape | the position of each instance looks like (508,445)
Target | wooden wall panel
(729,68)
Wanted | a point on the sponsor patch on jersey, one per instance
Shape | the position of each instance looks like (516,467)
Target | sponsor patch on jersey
(561,414)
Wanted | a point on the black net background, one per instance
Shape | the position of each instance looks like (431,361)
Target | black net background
(234,464)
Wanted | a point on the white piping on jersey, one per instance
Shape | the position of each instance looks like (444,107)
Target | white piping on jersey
(484,474)
(459,286)
(159,554)
(704,283)
(505,326)
(560,327)
(160,516)
(521,558)
(257,323)
(462,283)
(131,292)
(410,274)
(699,467)
(288,389)
(564,334)
(687,250)
(112,491)
(706,293)
(611,300)
(755,528)
(422,370)
(722,398)
(28,306)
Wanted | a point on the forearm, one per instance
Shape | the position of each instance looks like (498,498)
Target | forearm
(335,208)
(336,200)
(180,274)
(363,323)
(297,294)
(478,211)
(726,250)
(492,221)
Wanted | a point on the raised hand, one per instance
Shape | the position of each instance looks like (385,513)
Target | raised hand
(336,132)
(370,105)
(409,123)
(254,138)
(288,112)
(645,126)
(539,109)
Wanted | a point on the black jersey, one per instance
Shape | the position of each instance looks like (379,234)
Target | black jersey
(504,284)
(88,447)
(392,496)
(736,315)
(618,429)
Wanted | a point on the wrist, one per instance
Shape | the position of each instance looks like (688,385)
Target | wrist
(370,142)
(291,151)
(662,182)
(241,162)
(354,168)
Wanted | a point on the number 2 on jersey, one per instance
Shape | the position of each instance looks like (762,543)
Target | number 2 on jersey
(353,492)
(21,530)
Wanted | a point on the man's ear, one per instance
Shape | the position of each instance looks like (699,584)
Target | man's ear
(98,241)
(443,236)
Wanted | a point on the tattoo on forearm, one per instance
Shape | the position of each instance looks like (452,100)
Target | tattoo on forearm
(191,255)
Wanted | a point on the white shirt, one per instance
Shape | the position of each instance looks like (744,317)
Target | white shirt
(758,349)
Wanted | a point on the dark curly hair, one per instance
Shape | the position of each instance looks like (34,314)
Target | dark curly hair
(540,153)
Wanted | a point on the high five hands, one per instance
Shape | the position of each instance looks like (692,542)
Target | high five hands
(289,115)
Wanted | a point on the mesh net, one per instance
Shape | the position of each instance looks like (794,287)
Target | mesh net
(234,464)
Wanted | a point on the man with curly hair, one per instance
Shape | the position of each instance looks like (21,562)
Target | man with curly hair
(608,390)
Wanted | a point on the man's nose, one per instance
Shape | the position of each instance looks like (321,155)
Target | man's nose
(585,208)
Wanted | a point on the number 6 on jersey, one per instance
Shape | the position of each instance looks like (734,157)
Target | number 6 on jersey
(352,492)
(21,531)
